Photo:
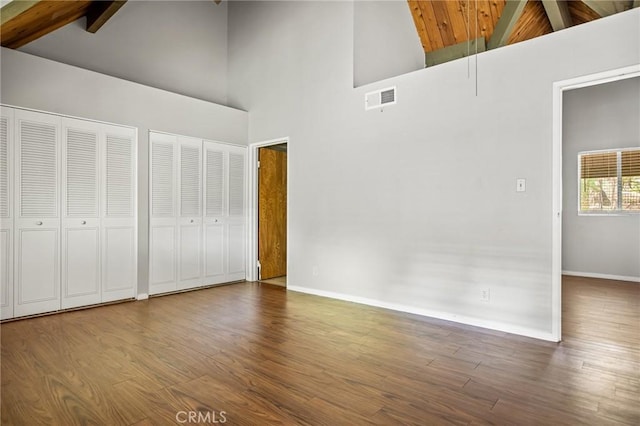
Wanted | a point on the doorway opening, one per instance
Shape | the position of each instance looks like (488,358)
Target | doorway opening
(268,222)
(559,88)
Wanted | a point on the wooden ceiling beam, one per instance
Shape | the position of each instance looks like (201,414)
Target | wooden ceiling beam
(15,8)
(100,12)
(510,15)
(456,51)
(601,7)
(27,24)
(558,14)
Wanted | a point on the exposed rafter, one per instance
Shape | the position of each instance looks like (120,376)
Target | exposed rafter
(15,8)
(24,22)
(602,7)
(558,14)
(100,12)
(456,51)
(510,15)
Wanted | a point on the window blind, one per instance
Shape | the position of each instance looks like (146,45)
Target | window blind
(598,165)
(631,163)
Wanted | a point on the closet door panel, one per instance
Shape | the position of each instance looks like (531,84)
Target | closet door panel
(6,274)
(80,267)
(119,244)
(236,222)
(38,259)
(6,213)
(190,254)
(163,232)
(214,253)
(119,255)
(163,257)
(190,212)
(37,213)
(236,239)
(214,213)
(80,213)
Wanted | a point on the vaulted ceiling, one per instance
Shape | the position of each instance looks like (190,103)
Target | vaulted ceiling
(448,29)
(452,29)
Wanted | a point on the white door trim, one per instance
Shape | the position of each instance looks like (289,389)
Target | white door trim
(556,251)
(252,234)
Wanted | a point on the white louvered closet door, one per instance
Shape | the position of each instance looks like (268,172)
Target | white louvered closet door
(80,213)
(119,239)
(189,213)
(163,224)
(237,213)
(215,192)
(225,212)
(37,213)
(6,213)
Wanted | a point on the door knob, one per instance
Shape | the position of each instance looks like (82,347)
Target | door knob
(191,221)
(38,223)
(84,222)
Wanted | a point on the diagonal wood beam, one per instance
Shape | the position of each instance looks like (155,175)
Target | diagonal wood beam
(15,8)
(100,12)
(601,7)
(510,15)
(456,51)
(558,14)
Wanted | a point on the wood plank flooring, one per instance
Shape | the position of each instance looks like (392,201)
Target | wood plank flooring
(254,354)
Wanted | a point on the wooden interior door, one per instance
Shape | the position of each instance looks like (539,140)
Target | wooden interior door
(272,216)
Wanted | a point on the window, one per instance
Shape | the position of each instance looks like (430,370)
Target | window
(609,181)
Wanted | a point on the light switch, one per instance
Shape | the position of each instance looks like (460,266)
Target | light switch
(521,185)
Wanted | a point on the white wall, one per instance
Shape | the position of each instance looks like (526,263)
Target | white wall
(31,82)
(415,207)
(595,118)
(179,46)
(386,43)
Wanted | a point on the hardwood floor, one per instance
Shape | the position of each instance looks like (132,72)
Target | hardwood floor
(252,354)
(279,281)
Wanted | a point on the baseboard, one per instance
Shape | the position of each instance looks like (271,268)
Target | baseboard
(142,296)
(603,276)
(461,319)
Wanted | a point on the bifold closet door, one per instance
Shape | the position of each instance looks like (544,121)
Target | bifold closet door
(236,222)
(215,206)
(6,213)
(189,213)
(224,219)
(80,213)
(163,215)
(119,248)
(37,213)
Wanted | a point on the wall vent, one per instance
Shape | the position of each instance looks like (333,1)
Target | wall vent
(380,98)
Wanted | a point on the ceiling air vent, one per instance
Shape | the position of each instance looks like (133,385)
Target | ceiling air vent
(380,98)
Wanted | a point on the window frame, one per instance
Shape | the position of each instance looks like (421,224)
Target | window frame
(617,211)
